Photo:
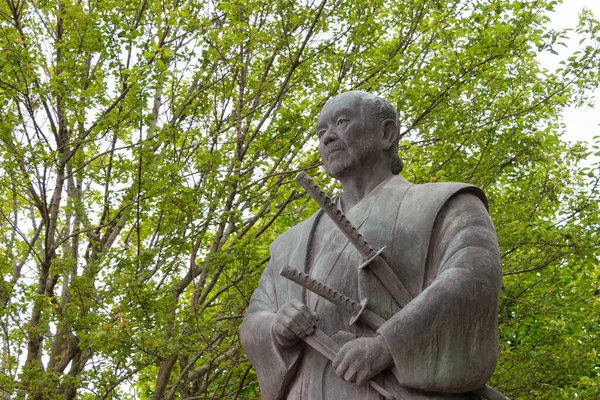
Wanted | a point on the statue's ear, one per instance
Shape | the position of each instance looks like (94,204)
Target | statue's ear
(389,131)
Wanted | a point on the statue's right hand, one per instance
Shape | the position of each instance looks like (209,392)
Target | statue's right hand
(293,321)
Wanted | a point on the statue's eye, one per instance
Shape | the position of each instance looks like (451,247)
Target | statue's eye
(341,121)
(321,133)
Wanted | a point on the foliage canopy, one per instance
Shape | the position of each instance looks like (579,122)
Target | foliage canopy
(147,151)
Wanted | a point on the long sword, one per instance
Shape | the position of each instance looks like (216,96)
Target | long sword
(373,259)
(376,263)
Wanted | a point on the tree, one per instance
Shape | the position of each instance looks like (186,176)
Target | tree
(147,159)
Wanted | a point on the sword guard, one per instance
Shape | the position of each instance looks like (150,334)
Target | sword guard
(368,261)
(356,316)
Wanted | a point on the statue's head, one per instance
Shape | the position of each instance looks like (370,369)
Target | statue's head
(358,130)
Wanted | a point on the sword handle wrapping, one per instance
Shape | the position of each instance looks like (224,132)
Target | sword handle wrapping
(322,290)
(358,311)
(336,215)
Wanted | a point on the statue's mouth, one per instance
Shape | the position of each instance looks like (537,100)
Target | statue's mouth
(334,149)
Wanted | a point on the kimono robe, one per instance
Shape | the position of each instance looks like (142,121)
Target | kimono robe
(441,244)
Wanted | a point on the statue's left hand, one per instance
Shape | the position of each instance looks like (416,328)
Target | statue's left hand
(361,359)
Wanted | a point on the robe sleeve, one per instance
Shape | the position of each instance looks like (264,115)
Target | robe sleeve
(446,338)
(274,365)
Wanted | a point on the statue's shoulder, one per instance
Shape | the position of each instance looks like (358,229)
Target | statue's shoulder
(294,234)
(440,192)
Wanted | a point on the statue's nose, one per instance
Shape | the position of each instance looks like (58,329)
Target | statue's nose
(329,136)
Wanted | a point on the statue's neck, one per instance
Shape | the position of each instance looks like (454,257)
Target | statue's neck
(359,185)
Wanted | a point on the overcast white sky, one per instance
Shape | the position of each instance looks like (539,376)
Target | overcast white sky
(582,124)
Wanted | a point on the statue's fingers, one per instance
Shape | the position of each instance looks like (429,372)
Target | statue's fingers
(289,310)
(361,378)
(284,336)
(289,315)
(308,328)
(284,331)
(304,322)
(296,304)
(340,363)
(301,314)
(302,309)
(310,316)
(350,375)
(307,323)
(299,327)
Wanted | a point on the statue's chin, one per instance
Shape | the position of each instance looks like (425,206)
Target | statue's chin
(335,174)
(338,169)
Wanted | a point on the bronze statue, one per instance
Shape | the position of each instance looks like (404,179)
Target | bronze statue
(426,330)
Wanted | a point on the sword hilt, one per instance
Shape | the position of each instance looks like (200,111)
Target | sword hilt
(336,215)
(320,289)
(358,312)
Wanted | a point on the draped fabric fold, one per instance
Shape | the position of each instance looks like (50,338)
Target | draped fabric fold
(441,244)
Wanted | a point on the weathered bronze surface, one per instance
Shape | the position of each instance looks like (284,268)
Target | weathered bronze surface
(437,331)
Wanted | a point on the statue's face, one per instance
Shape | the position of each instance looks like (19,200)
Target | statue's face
(347,133)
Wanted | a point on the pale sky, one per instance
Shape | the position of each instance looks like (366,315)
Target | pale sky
(581,124)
